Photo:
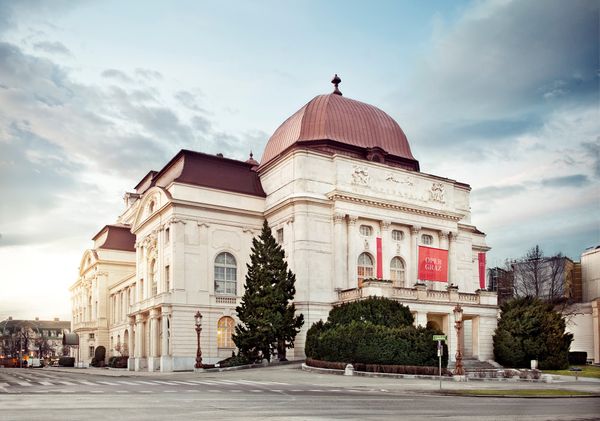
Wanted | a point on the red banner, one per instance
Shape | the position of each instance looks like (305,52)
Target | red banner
(379,259)
(481,258)
(433,264)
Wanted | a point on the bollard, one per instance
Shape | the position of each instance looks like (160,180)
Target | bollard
(349,371)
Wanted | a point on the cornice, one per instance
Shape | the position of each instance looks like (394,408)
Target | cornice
(348,197)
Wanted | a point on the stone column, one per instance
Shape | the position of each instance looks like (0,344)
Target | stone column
(352,278)
(386,242)
(139,342)
(339,251)
(131,343)
(165,358)
(153,360)
(453,277)
(414,253)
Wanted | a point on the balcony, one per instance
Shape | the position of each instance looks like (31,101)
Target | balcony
(418,294)
(85,325)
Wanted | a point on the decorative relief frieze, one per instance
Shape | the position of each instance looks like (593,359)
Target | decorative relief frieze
(367,244)
(338,218)
(436,193)
(398,180)
(360,176)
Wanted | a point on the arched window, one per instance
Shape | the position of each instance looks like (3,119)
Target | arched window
(225,328)
(151,207)
(365,268)
(225,274)
(397,271)
(427,239)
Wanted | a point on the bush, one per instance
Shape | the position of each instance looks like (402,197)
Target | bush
(118,362)
(233,361)
(366,343)
(66,361)
(578,358)
(376,310)
(530,329)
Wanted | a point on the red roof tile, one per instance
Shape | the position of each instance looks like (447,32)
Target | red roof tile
(119,237)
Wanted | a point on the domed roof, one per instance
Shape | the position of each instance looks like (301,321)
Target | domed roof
(342,123)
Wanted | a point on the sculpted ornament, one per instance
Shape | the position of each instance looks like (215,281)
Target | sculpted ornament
(436,193)
(391,177)
(360,176)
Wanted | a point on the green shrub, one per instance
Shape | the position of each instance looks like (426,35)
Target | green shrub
(530,329)
(376,310)
(66,361)
(364,342)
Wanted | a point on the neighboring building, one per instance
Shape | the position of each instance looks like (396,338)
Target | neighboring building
(345,198)
(548,278)
(583,316)
(32,338)
(500,281)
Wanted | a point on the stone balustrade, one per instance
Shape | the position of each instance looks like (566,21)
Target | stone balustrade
(418,293)
(85,325)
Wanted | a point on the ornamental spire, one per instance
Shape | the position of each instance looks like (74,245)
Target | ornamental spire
(336,81)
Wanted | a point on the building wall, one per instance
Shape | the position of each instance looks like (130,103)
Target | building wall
(590,271)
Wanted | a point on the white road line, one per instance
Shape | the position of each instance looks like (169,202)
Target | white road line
(276,390)
(87,383)
(164,382)
(124,382)
(67,383)
(214,390)
(199,382)
(24,384)
(144,391)
(122,391)
(143,382)
(108,383)
(235,391)
(46,383)
(256,390)
(186,383)
(4,384)
(285,384)
(170,391)
(96,391)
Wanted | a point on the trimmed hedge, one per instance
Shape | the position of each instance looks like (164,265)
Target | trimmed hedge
(118,362)
(380,368)
(376,310)
(364,342)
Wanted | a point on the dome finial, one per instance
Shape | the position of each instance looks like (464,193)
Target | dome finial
(336,81)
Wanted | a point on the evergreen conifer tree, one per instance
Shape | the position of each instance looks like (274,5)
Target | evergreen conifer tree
(268,318)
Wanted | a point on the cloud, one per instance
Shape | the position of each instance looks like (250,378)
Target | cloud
(566,181)
(592,149)
(148,74)
(117,75)
(188,100)
(52,48)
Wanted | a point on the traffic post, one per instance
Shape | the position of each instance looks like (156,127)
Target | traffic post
(440,350)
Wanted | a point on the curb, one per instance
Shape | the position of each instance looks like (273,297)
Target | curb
(467,395)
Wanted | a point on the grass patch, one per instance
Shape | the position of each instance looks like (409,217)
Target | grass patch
(587,371)
(521,392)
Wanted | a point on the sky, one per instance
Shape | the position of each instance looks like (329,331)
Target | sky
(502,95)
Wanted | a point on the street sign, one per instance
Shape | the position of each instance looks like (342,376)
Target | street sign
(440,338)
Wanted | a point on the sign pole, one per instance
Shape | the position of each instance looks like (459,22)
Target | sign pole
(440,360)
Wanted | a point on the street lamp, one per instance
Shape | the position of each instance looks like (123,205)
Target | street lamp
(198,318)
(458,321)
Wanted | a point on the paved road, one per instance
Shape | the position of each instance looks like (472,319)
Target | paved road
(279,394)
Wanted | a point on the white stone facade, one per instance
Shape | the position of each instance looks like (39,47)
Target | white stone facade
(326,209)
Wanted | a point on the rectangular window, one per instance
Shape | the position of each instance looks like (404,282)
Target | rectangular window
(397,235)
(167,235)
(366,230)
(280,235)
(92,336)
(168,277)
(91,352)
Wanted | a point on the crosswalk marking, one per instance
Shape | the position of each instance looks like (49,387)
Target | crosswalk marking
(164,382)
(108,383)
(143,382)
(186,383)
(124,382)
(46,383)
(66,383)
(24,384)
(87,383)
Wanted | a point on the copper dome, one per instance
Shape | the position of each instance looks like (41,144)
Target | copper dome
(333,123)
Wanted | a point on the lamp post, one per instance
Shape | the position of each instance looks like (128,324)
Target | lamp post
(198,318)
(458,321)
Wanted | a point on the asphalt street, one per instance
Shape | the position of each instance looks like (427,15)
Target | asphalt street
(282,393)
